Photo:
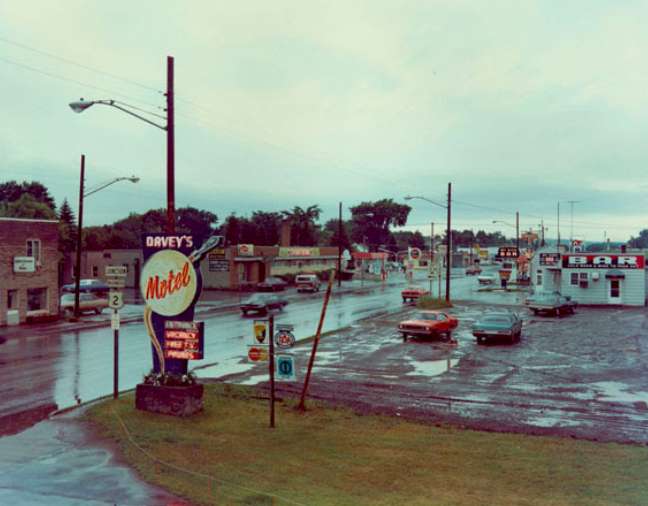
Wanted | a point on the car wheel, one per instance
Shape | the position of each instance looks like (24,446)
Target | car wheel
(98,310)
(535,312)
(244,313)
(480,340)
(404,337)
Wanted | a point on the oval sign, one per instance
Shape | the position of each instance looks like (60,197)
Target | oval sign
(168,282)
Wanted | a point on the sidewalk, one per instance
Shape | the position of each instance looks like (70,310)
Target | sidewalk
(57,462)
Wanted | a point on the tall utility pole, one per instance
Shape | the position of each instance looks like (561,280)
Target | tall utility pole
(339,265)
(517,230)
(449,245)
(77,267)
(431,255)
(558,228)
(542,241)
(170,129)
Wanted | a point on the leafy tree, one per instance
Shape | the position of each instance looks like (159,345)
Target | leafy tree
(332,237)
(641,241)
(197,222)
(372,220)
(231,229)
(26,206)
(12,191)
(266,227)
(67,228)
(304,230)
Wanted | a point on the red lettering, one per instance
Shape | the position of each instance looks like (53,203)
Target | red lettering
(152,287)
(163,289)
(159,289)
(185,275)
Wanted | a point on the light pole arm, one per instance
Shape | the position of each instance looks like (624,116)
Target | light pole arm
(117,179)
(427,200)
(113,104)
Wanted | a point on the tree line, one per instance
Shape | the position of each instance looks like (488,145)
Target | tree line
(370,226)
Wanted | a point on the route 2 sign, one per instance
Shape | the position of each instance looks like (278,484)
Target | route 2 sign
(115,299)
(285,367)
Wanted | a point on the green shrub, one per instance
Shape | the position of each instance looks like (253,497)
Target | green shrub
(427,302)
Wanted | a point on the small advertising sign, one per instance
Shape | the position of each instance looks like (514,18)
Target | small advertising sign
(285,367)
(258,353)
(114,320)
(298,252)
(508,252)
(245,250)
(119,271)
(24,264)
(184,339)
(216,262)
(260,335)
(284,338)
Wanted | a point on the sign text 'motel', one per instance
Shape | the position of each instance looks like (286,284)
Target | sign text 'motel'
(603,261)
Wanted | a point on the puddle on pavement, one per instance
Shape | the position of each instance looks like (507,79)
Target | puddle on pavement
(230,366)
(618,392)
(432,368)
(552,420)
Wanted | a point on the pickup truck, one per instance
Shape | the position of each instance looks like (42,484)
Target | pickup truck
(551,303)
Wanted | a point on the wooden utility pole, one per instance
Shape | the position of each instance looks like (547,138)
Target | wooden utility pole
(170,130)
(339,262)
(449,242)
(77,267)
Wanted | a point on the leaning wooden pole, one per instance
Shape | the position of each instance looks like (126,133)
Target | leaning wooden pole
(302,406)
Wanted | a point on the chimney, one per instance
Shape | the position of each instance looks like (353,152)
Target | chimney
(284,236)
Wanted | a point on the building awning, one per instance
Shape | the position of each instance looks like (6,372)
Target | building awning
(615,274)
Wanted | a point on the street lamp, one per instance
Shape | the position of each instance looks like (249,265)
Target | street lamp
(516,227)
(169,128)
(82,195)
(448,207)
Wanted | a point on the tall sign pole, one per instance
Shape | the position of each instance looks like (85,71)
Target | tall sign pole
(517,230)
(170,130)
(430,271)
(339,263)
(272,371)
(77,267)
(449,240)
(115,326)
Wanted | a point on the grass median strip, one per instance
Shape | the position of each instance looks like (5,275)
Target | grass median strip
(331,456)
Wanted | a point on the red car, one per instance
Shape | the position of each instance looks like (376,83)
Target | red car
(429,324)
(413,293)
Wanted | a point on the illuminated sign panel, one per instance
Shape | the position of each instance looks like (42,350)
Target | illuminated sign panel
(603,261)
(184,340)
(508,252)
(549,258)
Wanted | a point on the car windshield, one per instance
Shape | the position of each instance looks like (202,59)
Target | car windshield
(497,319)
(429,316)
(67,297)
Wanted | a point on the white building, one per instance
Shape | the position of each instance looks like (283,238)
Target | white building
(603,278)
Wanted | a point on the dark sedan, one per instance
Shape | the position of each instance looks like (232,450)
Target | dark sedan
(272,284)
(95,286)
(503,325)
(261,303)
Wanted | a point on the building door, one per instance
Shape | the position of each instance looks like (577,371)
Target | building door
(614,293)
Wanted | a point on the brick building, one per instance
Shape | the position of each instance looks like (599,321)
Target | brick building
(29,269)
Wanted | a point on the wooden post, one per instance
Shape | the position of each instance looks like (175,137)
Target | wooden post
(302,406)
(271,370)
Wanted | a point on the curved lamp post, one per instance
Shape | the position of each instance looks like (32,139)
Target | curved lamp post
(448,207)
(169,128)
(82,195)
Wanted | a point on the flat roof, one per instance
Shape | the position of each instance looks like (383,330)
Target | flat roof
(28,219)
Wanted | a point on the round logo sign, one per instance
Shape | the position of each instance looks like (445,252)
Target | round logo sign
(168,282)
(284,339)
(415,253)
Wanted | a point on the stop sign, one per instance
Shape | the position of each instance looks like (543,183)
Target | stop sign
(254,354)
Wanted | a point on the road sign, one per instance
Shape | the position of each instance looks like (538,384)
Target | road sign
(116,271)
(258,354)
(116,282)
(114,321)
(284,338)
(260,335)
(184,340)
(285,368)
(115,299)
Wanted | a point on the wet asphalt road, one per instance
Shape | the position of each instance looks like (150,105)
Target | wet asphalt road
(582,376)
(71,367)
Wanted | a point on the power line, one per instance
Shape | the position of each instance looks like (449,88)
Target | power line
(68,79)
(77,64)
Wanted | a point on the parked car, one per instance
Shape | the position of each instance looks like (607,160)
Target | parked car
(88,302)
(272,284)
(429,324)
(307,282)
(95,286)
(261,303)
(486,279)
(413,293)
(498,325)
(552,303)
(473,270)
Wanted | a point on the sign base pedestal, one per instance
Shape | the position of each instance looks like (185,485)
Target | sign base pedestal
(169,400)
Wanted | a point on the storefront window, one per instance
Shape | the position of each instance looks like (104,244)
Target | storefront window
(574,279)
(539,278)
(36,299)
(33,249)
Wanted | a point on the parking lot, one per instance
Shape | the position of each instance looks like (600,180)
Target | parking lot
(581,375)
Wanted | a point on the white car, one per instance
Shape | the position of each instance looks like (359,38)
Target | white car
(486,279)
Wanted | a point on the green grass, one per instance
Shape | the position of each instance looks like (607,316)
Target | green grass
(427,302)
(330,456)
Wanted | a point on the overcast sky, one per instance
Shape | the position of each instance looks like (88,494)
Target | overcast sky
(518,104)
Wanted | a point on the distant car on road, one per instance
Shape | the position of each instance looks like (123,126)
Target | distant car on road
(552,303)
(307,282)
(473,270)
(87,303)
(95,286)
(497,325)
(261,303)
(272,284)
(413,293)
(486,279)
(429,324)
